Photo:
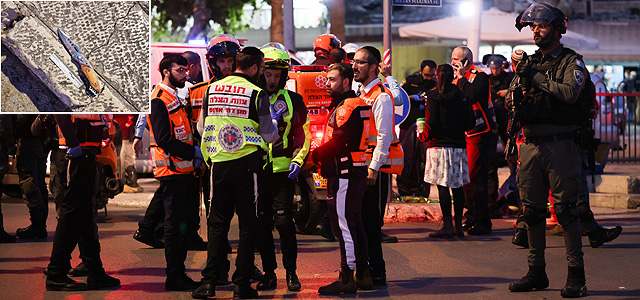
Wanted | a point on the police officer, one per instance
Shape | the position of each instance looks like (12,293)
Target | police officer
(236,127)
(500,80)
(480,140)
(342,161)
(410,182)
(384,154)
(549,157)
(286,156)
(81,136)
(31,162)
(175,159)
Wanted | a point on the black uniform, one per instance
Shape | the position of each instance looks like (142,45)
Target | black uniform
(549,158)
(31,162)
(411,182)
(76,213)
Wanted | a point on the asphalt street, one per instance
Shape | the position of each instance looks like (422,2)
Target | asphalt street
(473,267)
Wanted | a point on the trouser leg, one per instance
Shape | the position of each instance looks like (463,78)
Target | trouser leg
(371,217)
(176,193)
(76,222)
(31,164)
(345,205)
(283,219)
(153,219)
(266,245)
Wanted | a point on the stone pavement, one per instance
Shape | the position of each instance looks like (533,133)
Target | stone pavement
(113,35)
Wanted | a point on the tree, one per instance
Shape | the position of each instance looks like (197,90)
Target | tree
(172,15)
(336,17)
(277,25)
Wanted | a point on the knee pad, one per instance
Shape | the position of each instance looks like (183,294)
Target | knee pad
(533,215)
(566,212)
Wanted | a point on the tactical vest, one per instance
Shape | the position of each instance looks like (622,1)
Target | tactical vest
(485,120)
(540,107)
(165,164)
(90,129)
(281,151)
(196,94)
(231,120)
(395,159)
(346,140)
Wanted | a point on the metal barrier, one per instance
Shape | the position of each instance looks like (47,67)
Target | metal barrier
(617,124)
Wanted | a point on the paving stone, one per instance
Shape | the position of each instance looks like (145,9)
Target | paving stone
(113,35)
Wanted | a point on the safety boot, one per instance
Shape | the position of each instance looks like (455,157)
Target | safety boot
(32,232)
(600,235)
(363,278)
(576,283)
(344,285)
(536,279)
(293,283)
(520,238)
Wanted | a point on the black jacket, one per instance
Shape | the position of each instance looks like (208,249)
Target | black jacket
(447,118)
(414,85)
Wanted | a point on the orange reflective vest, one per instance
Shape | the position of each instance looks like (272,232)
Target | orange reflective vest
(482,117)
(165,164)
(342,115)
(196,93)
(90,129)
(395,159)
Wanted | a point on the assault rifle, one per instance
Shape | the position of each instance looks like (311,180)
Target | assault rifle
(513,128)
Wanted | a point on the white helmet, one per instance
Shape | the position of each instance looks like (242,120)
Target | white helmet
(351,48)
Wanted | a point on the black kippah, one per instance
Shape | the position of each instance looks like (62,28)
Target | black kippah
(374,52)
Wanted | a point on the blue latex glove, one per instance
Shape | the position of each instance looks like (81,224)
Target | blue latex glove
(417,98)
(74,152)
(421,107)
(198,159)
(294,171)
(275,115)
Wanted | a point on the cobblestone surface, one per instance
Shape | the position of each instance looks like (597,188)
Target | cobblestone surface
(113,35)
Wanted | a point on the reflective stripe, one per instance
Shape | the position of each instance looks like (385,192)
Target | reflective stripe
(183,164)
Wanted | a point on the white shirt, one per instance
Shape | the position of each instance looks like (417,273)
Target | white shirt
(382,109)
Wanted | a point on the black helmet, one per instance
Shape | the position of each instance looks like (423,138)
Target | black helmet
(221,46)
(542,13)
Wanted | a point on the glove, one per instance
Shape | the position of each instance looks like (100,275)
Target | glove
(421,107)
(417,98)
(74,152)
(275,115)
(198,159)
(524,69)
(294,171)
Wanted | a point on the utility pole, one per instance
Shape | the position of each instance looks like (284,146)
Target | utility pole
(386,35)
(289,25)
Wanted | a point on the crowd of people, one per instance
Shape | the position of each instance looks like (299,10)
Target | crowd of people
(241,140)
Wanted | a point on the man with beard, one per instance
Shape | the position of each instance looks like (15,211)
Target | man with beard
(411,182)
(384,154)
(236,127)
(175,159)
(552,113)
(286,158)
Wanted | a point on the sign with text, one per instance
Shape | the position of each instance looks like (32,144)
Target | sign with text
(432,3)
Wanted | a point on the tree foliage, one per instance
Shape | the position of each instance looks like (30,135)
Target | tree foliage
(172,15)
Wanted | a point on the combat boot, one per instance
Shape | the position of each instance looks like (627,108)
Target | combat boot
(536,278)
(32,232)
(557,230)
(363,278)
(520,238)
(576,283)
(600,235)
(344,285)
(6,237)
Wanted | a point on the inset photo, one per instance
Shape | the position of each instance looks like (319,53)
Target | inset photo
(75,56)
